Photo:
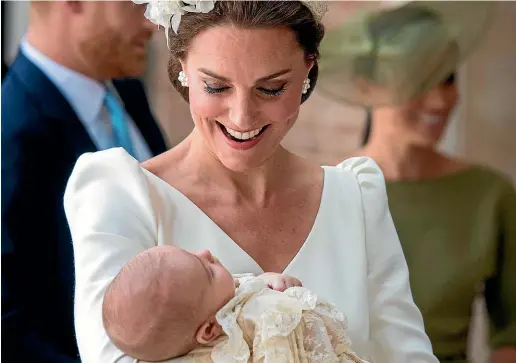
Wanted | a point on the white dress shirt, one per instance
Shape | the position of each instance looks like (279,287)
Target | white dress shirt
(86,97)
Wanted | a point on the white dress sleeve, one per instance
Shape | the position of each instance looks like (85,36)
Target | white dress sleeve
(111,211)
(397,329)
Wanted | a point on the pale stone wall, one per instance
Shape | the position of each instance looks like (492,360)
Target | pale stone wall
(483,128)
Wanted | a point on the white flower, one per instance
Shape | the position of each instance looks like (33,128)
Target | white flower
(167,13)
(201,6)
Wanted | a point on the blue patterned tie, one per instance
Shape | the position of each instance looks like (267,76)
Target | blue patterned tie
(119,122)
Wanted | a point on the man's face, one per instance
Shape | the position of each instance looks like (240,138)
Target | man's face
(112,38)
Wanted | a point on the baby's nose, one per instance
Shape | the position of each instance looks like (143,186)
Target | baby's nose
(205,254)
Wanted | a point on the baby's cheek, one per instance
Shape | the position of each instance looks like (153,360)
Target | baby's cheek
(230,287)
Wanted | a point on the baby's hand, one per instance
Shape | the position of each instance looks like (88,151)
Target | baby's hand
(279,282)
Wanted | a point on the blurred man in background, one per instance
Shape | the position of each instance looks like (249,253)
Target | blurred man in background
(69,91)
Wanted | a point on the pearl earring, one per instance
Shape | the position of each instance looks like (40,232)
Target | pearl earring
(306,85)
(183,79)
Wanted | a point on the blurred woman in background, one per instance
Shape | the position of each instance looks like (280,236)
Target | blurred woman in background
(456,222)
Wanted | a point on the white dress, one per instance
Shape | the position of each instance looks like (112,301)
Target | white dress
(351,258)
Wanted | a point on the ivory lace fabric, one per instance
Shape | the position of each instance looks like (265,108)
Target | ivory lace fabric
(264,325)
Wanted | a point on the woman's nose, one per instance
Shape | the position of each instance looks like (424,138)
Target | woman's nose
(243,111)
(440,98)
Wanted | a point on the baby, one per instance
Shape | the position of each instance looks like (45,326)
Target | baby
(168,303)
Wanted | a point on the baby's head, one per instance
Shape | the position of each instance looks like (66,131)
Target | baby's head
(163,303)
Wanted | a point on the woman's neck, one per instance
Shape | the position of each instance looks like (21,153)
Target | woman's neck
(256,186)
(401,160)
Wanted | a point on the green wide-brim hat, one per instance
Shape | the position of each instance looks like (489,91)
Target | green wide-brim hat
(389,56)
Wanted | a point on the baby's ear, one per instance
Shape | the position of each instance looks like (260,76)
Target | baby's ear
(209,331)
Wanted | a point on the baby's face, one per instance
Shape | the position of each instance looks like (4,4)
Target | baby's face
(213,279)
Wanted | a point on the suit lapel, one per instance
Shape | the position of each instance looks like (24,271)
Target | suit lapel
(65,121)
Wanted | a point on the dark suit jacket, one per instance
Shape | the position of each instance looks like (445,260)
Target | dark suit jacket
(4,70)
(42,138)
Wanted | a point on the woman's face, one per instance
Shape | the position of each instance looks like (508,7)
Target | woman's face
(424,120)
(245,88)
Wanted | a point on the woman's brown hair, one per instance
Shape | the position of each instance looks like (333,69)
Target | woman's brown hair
(291,15)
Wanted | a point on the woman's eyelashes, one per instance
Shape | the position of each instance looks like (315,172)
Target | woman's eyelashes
(272,92)
(216,89)
(213,89)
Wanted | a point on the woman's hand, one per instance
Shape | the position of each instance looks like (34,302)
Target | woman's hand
(279,282)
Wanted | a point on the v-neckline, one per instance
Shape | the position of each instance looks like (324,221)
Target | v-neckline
(227,238)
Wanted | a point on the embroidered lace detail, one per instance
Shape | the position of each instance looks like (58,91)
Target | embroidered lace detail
(281,327)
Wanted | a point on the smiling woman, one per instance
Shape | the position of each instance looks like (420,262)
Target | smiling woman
(448,212)
(245,67)
(229,100)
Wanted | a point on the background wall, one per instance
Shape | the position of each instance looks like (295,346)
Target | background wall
(15,16)
(487,123)
(483,129)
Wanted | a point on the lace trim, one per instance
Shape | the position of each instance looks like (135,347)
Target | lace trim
(296,327)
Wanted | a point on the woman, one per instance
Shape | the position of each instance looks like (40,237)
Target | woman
(456,222)
(245,68)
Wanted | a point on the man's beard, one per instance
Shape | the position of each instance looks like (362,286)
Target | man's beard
(109,56)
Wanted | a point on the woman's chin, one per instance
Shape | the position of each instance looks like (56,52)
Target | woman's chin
(429,143)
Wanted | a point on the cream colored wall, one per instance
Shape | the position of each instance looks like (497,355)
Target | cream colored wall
(15,18)
(487,122)
(483,129)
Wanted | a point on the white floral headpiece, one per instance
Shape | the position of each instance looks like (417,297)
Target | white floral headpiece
(167,13)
